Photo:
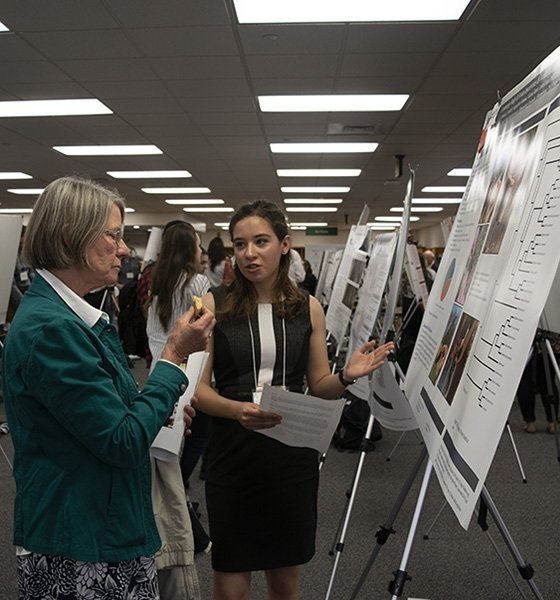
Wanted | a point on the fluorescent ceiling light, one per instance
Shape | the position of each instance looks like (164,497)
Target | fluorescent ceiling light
(178,174)
(209,209)
(418,209)
(110,150)
(333,103)
(316,190)
(436,200)
(185,201)
(26,191)
(334,147)
(395,219)
(380,227)
(3,27)
(177,190)
(444,189)
(136,227)
(297,228)
(14,175)
(354,11)
(311,209)
(460,173)
(129,210)
(221,224)
(15,211)
(312,200)
(53,108)
(312,224)
(318,172)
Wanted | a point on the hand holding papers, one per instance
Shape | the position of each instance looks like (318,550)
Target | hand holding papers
(169,441)
(307,421)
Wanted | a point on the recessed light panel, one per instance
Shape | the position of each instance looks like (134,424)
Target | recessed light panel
(320,148)
(15,211)
(318,172)
(310,224)
(316,190)
(3,27)
(177,174)
(333,103)
(349,11)
(460,173)
(190,201)
(396,219)
(311,209)
(443,189)
(177,190)
(208,209)
(312,200)
(53,108)
(418,209)
(14,175)
(26,191)
(111,150)
(436,200)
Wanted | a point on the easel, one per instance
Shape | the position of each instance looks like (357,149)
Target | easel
(396,586)
(387,334)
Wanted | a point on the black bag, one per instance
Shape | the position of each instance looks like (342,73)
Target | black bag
(132,324)
(353,425)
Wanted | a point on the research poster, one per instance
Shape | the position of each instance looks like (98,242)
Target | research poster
(329,268)
(347,282)
(415,274)
(10,233)
(381,253)
(492,284)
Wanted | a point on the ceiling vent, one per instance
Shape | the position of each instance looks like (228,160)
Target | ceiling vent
(341,129)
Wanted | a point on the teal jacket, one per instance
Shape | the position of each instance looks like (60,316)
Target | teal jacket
(81,433)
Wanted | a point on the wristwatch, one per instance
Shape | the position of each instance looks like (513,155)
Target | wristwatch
(345,382)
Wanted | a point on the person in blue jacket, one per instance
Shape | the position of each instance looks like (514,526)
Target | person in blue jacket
(83,520)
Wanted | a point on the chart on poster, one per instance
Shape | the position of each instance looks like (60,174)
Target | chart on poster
(492,284)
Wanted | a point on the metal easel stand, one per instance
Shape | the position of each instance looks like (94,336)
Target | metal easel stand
(338,547)
(384,531)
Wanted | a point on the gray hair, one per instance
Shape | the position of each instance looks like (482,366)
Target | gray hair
(68,216)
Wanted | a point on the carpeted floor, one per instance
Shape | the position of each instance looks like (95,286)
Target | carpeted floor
(450,564)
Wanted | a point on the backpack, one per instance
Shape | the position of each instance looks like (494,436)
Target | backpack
(353,425)
(132,324)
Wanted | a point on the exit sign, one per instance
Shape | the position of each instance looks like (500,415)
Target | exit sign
(321,231)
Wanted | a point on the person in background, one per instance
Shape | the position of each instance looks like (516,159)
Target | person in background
(217,259)
(430,262)
(83,521)
(175,280)
(310,281)
(261,494)
(296,272)
(203,261)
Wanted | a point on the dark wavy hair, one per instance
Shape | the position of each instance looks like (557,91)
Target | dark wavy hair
(176,260)
(242,297)
(216,252)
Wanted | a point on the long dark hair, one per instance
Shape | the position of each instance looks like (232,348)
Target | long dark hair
(176,260)
(216,252)
(242,297)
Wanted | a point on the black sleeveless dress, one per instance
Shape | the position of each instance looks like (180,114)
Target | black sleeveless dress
(261,495)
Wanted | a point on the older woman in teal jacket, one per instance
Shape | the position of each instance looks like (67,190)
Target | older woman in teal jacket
(83,521)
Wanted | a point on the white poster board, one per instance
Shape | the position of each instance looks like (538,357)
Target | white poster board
(415,274)
(491,287)
(10,234)
(347,282)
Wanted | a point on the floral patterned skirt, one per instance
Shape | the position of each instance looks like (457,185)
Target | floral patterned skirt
(44,577)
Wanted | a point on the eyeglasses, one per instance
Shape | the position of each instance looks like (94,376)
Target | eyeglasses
(116,236)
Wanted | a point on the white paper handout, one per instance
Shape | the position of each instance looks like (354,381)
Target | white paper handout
(169,441)
(307,421)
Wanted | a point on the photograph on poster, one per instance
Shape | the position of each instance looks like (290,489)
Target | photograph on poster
(491,197)
(445,342)
(448,280)
(457,358)
(357,268)
(349,297)
(472,261)
(508,190)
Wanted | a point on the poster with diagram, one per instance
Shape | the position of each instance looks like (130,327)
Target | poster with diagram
(347,282)
(492,284)
(381,252)
(415,274)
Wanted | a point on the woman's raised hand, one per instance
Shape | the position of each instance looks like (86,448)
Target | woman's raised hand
(366,359)
(190,333)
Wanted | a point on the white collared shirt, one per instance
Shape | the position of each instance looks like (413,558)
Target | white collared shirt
(88,313)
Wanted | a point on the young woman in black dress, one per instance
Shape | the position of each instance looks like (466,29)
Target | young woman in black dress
(262,494)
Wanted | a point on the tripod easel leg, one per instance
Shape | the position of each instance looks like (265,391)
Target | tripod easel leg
(382,534)
(339,546)
(517,457)
(401,576)
(525,569)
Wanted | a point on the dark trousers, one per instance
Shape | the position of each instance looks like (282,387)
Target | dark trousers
(533,381)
